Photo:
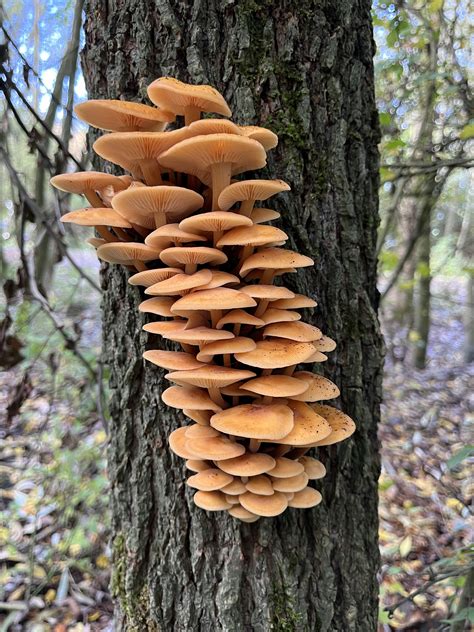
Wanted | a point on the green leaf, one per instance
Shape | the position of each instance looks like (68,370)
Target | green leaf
(459,456)
(436,5)
(395,143)
(385,119)
(467,132)
(386,174)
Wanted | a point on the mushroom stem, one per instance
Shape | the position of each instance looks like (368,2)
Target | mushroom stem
(266,372)
(215,395)
(93,199)
(121,234)
(221,173)
(280,450)
(105,233)
(141,230)
(297,453)
(267,277)
(190,268)
(267,399)
(262,308)
(246,252)
(151,172)
(246,207)
(216,315)
(191,113)
(289,370)
(160,219)
(254,445)
(216,236)
(237,327)
(226,359)
(139,265)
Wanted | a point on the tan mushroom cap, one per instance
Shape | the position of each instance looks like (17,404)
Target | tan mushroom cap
(242,514)
(267,506)
(275,386)
(260,484)
(285,468)
(209,480)
(274,315)
(249,464)
(221,347)
(233,500)
(211,501)
(172,360)
(165,327)
(250,190)
(198,255)
(215,448)
(239,317)
(150,277)
(268,292)
(342,426)
(216,299)
(308,428)
(122,116)
(82,181)
(199,416)
(96,217)
(290,484)
(319,387)
(255,421)
(158,305)
(188,397)
(142,205)
(263,215)
(235,488)
(179,283)
(325,344)
(95,242)
(195,336)
(299,301)
(220,278)
(207,126)
(126,252)
(197,431)
(214,222)
(172,94)
(208,376)
(302,332)
(197,465)
(276,353)
(274,259)
(255,235)
(313,468)
(169,234)
(305,499)
(197,155)
(177,441)
(267,138)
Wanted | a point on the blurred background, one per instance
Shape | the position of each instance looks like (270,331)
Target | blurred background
(54,558)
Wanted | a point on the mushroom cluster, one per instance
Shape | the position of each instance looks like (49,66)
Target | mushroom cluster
(208,259)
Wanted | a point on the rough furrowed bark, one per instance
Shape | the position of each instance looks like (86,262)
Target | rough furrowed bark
(303,69)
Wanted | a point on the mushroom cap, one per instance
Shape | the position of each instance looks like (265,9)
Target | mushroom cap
(200,416)
(267,506)
(302,332)
(172,360)
(342,426)
(268,292)
(122,116)
(235,488)
(126,252)
(220,278)
(167,234)
(275,386)
(172,94)
(211,501)
(197,465)
(216,299)
(276,353)
(209,376)
(319,387)
(215,448)
(232,499)
(250,190)
(177,441)
(179,283)
(255,421)
(313,468)
(86,181)
(255,235)
(262,215)
(240,317)
(214,222)
(195,336)
(221,347)
(306,498)
(150,277)
(285,468)
(274,259)
(249,464)
(260,484)
(95,242)
(325,344)
(96,217)
(188,397)
(318,357)
(307,424)
(140,205)
(198,255)
(209,480)
(274,315)
(157,305)
(207,126)
(290,484)
(299,301)
(264,136)
(165,327)
(242,514)
(197,155)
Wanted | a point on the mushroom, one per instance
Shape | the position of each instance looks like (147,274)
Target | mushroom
(215,222)
(254,421)
(170,234)
(179,284)
(209,480)
(88,183)
(197,465)
(242,514)
(276,386)
(302,332)
(150,277)
(298,301)
(276,353)
(291,483)
(267,506)
(341,425)
(286,468)
(313,468)
(251,237)
(319,387)
(263,215)
(248,192)
(249,464)
(158,305)
(191,257)
(100,219)
(308,426)
(177,441)
(172,360)
(260,485)
(211,501)
(267,138)
(187,397)
(272,259)
(306,498)
(213,301)
(127,254)
(215,448)
(123,116)
(238,317)
(235,488)
(225,348)
(199,416)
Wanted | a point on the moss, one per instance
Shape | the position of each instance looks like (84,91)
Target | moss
(285,618)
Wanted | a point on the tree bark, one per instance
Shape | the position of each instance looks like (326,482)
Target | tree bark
(303,69)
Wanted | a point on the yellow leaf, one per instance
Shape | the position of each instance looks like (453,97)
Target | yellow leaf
(75,549)
(454,503)
(100,436)
(102,561)
(405,546)
(94,616)
(50,595)
(467,131)
(436,5)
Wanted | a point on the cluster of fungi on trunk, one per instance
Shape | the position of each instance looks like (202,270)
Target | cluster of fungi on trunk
(208,258)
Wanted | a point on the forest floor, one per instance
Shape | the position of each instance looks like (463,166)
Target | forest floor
(54,560)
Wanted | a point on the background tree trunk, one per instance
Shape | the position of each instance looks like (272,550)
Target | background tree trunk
(303,69)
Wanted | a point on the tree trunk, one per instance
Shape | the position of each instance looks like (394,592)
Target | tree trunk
(303,69)
(422,315)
